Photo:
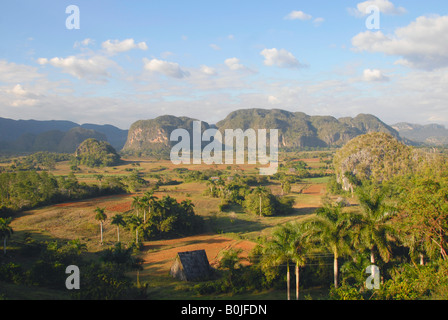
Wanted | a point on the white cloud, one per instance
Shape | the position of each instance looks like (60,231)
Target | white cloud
(318,21)
(18,90)
(280,58)
(215,47)
(234,64)
(18,97)
(298,15)
(16,73)
(273,100)
(94,68)
(166,54)
(115,46)
(170,69)
(385,7)
(84,43)
(422,44)
(208,70)
(374,75)
(24,103)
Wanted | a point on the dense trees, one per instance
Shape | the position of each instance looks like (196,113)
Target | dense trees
(104,279)
(28,189)
(169,218)
(423,216)
(94,153)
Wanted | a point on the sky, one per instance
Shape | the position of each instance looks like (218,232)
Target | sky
(116,62)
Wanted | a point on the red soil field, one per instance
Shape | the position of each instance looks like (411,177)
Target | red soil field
(159,262)
(316,189)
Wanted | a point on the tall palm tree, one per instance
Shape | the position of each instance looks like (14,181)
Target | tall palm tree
(5,231)
(330,229)
(135,224)
(147,202)
(118,221)
(136,204)
(299,250)
(375,230)
(101,217)
(261,192)
(286,245)
(276,253)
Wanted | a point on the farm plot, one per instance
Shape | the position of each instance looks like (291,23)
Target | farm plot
(159,255)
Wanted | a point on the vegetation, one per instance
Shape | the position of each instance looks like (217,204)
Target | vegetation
(29,189)
(390,211)
(94,153)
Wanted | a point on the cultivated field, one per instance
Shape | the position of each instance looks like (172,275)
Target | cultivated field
(224,230)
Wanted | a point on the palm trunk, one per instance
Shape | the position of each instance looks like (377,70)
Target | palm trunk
(288,278)
(297,281)
(136,236)
(138,278)
(422,261)
(372,261)
(335,271)
(118,233)
(101,228)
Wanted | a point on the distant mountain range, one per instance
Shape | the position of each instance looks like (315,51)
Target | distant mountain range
(431,134)
(54,135)
(296,129)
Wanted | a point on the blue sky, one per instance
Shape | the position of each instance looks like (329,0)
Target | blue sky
(133,60)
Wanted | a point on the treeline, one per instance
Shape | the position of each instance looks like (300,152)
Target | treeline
(37,161)
(104,279)
(259,200)
(28,189)
(163,218)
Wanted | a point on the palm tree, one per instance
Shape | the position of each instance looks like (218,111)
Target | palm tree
(5,231)
(101,217)
(147,202)
(261,192)
(136,204)
(135,224)
(375,231)
(118,221)
(299,250)
(330,229)
(286,245)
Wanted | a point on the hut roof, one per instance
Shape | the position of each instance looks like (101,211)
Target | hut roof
(191,266)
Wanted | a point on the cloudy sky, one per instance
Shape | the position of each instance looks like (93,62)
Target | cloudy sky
(132,60)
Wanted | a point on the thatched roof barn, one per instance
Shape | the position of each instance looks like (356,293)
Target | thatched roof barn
(191,266)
